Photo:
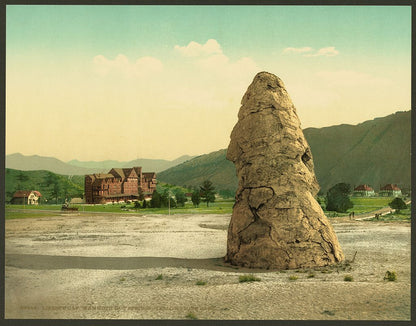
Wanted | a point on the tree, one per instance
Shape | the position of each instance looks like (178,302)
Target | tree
(196,198)
(337,198)
(207,192)
(156,201)
(180,197)
(52,180)
(137,204)
(398,204)
(140,194)
(226,193)
(145,203)
(167,200)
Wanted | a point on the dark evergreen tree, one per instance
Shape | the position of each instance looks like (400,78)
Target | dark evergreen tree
(338,198)
(196,198)
(156,201)
(207,192)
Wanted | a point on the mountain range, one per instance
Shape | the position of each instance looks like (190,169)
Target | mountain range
(21,162)
(375,152)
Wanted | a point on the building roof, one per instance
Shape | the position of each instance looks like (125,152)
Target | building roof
(363,188)
(122,173)
(103,175)
(390,187)
(149,175)
(26,193)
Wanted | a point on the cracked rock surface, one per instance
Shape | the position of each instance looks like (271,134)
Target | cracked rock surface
(276,221)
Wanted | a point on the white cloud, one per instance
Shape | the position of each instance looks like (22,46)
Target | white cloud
(297,50)
(329,51)
(194,49)
(306,51)
(122,65)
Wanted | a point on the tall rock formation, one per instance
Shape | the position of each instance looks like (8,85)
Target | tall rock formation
(276,221)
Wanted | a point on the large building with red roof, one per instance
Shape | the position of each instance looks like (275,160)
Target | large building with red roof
(390,190)
(363,191)
(119,184)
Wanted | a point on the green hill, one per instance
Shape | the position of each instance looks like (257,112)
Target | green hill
(53,187)
(213,166)
(375,152)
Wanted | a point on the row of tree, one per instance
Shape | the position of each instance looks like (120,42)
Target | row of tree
(167,197)
(338,199)
(54,188)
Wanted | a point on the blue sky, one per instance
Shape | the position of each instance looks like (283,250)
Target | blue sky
(186,68)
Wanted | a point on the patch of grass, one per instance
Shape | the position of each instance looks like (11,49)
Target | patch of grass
(328,312)
(14,213)
(283,271)
(201,283)
(293,278)
(191,316)
(390,276)
(248,278)
(311,275)
(326,271)
(159,277)
(122,279)
(348,278)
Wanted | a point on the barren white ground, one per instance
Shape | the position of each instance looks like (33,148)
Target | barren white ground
(106,266)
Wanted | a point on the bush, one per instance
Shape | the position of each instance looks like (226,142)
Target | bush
(390,276)
(191,316)
(337,198)
(398,204)
(159,277)
(248,278)
(201,283)
(348,278)
(293,278)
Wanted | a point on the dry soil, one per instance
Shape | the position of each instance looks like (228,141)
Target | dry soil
(170,267)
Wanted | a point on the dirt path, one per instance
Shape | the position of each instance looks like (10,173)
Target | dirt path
(149,267)
(382,211)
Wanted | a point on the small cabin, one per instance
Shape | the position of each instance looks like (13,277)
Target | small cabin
(26,197)
(363,191)
(390,190)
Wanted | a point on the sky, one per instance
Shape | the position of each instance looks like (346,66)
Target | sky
(124,82)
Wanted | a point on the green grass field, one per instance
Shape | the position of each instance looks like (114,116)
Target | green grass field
(221,206)
(403,216)
(364,205)
(21,211)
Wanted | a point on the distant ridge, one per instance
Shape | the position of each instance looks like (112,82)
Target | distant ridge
(151,165)
(18,161)
(374,152)
(22,162)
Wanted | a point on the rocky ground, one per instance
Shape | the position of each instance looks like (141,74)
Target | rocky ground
(170,267)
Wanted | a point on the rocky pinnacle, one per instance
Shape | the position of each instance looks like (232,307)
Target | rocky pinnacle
(276,221)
